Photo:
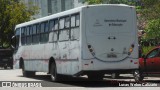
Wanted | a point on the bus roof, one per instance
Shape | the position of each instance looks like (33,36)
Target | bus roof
(67,12)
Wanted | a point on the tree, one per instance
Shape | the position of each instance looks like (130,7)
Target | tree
(151,9)
(94,1)
(151,17)
(13,12)
(153,28)
(111,2)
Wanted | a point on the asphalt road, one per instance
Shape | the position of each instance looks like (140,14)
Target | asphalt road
(125,79)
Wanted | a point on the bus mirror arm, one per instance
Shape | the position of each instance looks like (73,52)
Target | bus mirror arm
(13,37)
(12,47)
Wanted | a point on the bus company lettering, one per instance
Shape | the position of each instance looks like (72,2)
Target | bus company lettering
(116,22)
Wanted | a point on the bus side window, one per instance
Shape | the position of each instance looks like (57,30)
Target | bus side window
(37,33)
(30,34)
(61,23)
(27,35)
(17,38)
(23,41)
(67,22)
(64,29)
(51,25)
(56,24)
(34,35)
(73,21)
(55,31)
(25,32)
(75,27)
(44,32)
(77,20)
(67,26)
(41,32)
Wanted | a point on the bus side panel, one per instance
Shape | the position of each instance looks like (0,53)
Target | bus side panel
(136,49)
(36,57)
(84,50)
(68,60)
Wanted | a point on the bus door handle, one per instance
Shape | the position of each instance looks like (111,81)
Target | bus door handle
(111,37)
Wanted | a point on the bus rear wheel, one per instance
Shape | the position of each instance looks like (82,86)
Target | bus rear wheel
(54,76)
(137,76)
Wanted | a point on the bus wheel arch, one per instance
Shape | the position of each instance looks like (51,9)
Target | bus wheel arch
(25,73)
(51,60)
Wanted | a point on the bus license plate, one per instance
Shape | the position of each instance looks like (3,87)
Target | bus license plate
(111,55)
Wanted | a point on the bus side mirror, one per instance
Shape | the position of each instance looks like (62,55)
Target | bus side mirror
(13,42)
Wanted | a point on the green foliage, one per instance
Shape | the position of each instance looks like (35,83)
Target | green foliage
(151,9)
(110,2)
(150,14)
(149,3)
(12,12)
(94,1)
(153,29)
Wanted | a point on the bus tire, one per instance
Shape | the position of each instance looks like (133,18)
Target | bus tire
(53,70)
(95,77)
(27,73)
(115,75)
(137,76)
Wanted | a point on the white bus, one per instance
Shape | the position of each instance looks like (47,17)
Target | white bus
(90,40)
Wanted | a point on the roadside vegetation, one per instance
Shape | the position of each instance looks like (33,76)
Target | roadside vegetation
(13,12)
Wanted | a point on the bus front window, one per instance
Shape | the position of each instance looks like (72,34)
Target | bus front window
(15,39)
